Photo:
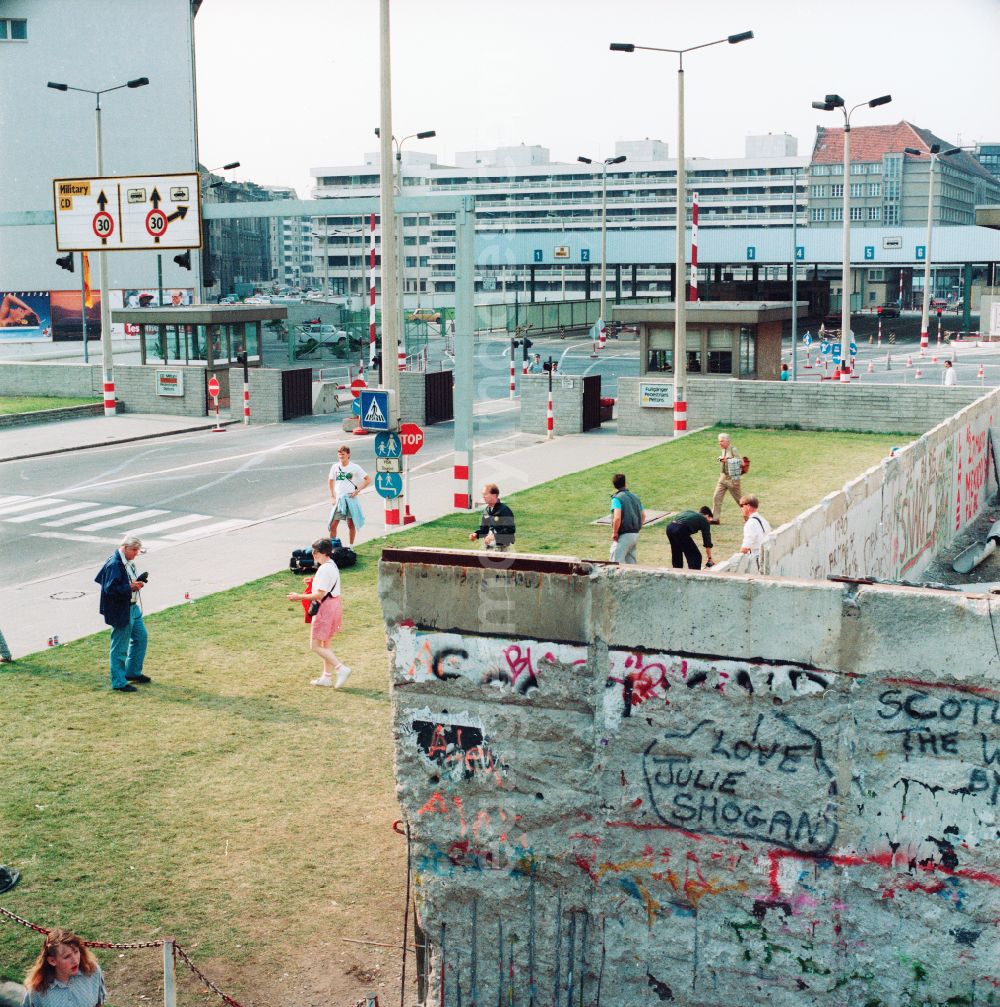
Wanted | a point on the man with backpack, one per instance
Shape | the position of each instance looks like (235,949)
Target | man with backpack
(627,519)
(731,466)
(755,528)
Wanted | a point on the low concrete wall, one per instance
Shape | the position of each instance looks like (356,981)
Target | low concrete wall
(135,388)
(51,415)
(567,403)
(613,798)
(265,395)
(31,378)
(413,397)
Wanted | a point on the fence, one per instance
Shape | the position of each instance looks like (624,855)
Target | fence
(550,316)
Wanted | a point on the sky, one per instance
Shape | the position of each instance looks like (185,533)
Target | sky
(286,87)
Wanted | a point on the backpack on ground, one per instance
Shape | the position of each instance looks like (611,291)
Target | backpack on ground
(302,561)
(344,557)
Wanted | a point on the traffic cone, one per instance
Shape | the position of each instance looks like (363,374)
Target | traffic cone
(933,358)
(871,367)
(836,373)
(982,373)
(909,361)
(918,374)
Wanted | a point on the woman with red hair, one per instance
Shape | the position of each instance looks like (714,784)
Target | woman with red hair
(65,974)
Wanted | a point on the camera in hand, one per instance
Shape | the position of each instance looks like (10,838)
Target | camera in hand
(313,608)
(144,576)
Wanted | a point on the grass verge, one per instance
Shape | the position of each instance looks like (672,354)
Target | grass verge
(10,404)
(249,815)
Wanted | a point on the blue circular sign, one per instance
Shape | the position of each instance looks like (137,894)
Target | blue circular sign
(388,484)
(356,407)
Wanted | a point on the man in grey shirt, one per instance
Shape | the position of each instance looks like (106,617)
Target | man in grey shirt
(627,519)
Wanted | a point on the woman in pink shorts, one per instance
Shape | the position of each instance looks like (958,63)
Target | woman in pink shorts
(329,616)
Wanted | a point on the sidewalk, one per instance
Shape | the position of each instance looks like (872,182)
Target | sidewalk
(65,603)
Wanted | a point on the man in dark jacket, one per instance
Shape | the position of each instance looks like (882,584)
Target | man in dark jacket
(122,611)
(627,519)
(496,528)
(681,531)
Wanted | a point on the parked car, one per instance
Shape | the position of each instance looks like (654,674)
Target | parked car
(889,310)
(939,302)
(424,315)
(327,335)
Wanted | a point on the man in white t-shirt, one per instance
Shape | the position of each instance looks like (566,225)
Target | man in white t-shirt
(949,379)
(756,527)
(347,479)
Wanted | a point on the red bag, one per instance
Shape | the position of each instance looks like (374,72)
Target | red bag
(305,601)
(745,466)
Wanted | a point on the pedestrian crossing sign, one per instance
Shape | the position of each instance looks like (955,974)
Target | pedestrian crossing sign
(378,409)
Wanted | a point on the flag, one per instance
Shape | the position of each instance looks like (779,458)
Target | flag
(88,294)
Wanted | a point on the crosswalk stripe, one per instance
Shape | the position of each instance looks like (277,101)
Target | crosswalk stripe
(210,529)
(12,499)
(62,509)
(172,523)
(24,505)
(99,513)
(121,520)
(65,536)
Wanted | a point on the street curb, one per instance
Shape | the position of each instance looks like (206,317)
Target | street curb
(121,440)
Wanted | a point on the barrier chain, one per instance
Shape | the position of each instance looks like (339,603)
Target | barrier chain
(181,953)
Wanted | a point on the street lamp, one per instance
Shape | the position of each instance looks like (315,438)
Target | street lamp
(828,104)
(604,228)
(102,258)
(934,153)
(680,260)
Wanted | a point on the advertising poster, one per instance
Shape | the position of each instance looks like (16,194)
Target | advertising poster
(25,316)
(67,321)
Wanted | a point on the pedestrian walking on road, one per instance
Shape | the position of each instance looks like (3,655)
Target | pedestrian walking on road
(680,533)
(496,527)
(627,519)
(121,607)
(949,378)
(731,468)
(65,974)
(327,614)
(346,480)
(756,527)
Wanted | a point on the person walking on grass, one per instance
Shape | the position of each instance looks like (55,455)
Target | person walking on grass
(731,466)
(327,614)
(681,532)
(122,610)
(627,519)
(496,526)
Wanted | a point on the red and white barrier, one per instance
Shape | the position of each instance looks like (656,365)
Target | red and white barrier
(109,394)
(512,385)
(401,358)
(246,402)
(680,417)
(549,419)
(460,471)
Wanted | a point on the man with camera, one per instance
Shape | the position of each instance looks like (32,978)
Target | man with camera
(122,611)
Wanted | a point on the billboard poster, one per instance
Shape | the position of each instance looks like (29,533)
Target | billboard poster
(25,316)
(67,323)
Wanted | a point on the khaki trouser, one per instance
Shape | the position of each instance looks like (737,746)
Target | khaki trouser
(726,484)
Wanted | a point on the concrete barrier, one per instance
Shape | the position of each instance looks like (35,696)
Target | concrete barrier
(627,786)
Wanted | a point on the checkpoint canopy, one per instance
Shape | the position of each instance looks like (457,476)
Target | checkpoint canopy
(127,212)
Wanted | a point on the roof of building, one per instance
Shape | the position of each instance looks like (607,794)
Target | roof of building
(872,143)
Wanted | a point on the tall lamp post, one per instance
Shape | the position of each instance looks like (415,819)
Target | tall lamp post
(680,261)
(605,164)
(934,153)
(828,104)
(102,257)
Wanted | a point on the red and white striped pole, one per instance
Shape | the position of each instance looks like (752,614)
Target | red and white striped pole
(371,292)
(680,417)
(901,290)
(549,422)
(880,330)
(602,338)
(109,394)
(512,372)
(463,498)
(246,401)
(693,295)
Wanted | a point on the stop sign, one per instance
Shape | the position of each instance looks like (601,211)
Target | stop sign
(412,437)
(213,387)
(356,385)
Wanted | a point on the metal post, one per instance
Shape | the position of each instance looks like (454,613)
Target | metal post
(680,285)
(107,362)
(795,274)
(465,261)
(925,307)
(390,318)
(845,297)
(83,304)
(159,278)
(604,247)
(169,976)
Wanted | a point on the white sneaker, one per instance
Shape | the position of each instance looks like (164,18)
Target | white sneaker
(323,679)
(342,675)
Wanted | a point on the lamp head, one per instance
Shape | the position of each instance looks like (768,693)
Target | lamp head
(426,134)
(623,47)
(230,166)
(741,37)
(935,148)
(584,160)
(913,151)
(377,133)
(883,100)
(823,106)
(138,82)
(615,160)
(834,100)
(57,87)
(950,151)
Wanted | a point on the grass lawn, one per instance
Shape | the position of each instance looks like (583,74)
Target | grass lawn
(35,403)
(231,805)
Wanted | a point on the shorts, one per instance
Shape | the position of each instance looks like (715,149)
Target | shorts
(329,620)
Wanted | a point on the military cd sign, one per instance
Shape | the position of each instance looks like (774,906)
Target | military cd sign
(127,212)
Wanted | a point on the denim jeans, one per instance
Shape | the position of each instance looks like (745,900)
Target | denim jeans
(128,649)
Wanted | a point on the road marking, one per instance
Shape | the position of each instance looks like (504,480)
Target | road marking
(44,502)
(46,513)
(117,522)
(12,499)
(211,529)
(70,537)
(100,512)
(172,523)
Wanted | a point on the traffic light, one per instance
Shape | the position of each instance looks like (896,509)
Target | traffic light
(184,259)
(65,262)
(527,344)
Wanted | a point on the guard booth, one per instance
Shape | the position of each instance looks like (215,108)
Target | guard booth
(213,334)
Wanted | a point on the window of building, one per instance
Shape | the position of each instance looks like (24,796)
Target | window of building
(874,188)
(818,191)
(857,212)
(13,30)
(874,212)
(748,352)
(836,169)
(874,169)
(817,214)
(837,191)
(836,213)
(857,189)
(859,169)
(876,275)
(821,169)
